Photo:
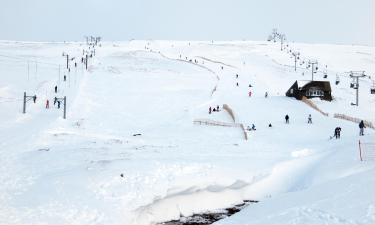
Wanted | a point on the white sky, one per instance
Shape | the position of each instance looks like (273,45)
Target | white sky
(323,21)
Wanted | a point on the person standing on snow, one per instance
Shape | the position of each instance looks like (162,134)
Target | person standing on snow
(209,110)
(47,104)
(286,118)
(266,94)
(337,132)
(361,128)
(309,119)
(250,93)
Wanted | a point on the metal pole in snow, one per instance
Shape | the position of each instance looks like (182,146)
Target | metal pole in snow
(24,102)
(67,61)
(87,58)
(64,107)
(356,99)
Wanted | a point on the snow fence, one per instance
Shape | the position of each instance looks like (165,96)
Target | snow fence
(368,124)
(312,105)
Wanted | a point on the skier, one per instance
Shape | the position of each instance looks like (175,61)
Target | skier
(56,89)
(266,94)
(253,127)
(217,108)
(249,93)
(236,75)
(34,98)
(269,125)
(209,110)
(214,110)
(309,119)
(361,128)
(54,101)
(47,104)
(337,132)
(286,118)
(248,128)
(64,77)
(237,84)
(58,104)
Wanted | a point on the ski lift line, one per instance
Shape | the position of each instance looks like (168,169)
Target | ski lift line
(28,59)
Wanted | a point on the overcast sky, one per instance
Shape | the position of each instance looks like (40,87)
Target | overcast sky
(316,21)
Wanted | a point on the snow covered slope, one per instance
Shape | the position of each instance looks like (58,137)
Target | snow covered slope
(129,152)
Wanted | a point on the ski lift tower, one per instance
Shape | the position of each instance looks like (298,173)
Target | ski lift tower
(355,84)
(282,39)
(314,67)
(296,57)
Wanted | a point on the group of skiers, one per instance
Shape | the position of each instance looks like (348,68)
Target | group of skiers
(309,119)
(54,103)
(213,109)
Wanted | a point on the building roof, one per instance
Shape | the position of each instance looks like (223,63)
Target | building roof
(303,83)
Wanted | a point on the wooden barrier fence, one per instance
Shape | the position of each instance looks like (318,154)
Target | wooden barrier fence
(209,122)
(312,105)
(368,124)
(230,111)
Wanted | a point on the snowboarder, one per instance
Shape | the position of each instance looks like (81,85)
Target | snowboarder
(56,89)
(286,118)
(309,119)
(361,128)
(266,94)
(47,104)
(209,110)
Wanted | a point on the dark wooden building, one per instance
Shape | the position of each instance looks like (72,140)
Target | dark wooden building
(310,89)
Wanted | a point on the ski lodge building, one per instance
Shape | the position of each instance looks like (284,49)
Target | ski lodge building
(310,89)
